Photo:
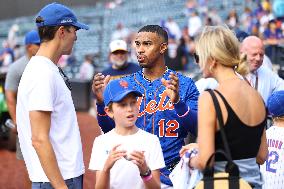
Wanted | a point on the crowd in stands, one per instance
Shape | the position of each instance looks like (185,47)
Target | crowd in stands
(257,17)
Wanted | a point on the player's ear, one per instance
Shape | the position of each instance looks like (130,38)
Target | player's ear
(163,48)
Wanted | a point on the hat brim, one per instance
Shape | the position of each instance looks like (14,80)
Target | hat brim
(36,42)
(81,25)
(124,94)
(119,49)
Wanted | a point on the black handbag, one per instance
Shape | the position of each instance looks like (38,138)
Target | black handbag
(230,178)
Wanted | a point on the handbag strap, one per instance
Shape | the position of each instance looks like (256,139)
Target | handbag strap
(221,123)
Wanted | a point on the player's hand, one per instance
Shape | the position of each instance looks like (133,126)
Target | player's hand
(172,87)
(138,158)
(99,83)
(187,147)
(113,156)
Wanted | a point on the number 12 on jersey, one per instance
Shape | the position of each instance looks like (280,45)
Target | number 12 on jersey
(168,129)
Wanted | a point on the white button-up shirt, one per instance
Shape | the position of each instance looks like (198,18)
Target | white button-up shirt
(267,83)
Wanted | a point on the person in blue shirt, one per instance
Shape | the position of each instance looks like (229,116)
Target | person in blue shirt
(169,103)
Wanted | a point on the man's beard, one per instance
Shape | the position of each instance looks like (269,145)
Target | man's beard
(119,64)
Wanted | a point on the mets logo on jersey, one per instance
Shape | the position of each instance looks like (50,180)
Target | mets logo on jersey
(123,84)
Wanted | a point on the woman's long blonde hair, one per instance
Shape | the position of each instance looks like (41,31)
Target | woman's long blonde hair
(221,44)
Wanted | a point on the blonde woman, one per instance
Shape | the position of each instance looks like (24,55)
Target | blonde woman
(242,108)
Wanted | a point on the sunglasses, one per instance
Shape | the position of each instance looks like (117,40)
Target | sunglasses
(65,78)
(196,57)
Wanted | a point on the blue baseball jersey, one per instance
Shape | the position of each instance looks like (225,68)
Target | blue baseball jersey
(157,115)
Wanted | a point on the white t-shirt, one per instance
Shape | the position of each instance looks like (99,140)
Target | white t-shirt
(42,88)
(125,174)
(273,168)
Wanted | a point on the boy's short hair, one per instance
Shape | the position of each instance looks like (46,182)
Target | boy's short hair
(118,89)
(275,104)
(54,15)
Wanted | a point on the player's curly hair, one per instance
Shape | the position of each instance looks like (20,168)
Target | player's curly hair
(155,29)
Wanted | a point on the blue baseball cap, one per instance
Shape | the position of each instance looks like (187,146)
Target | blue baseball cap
(117,89)
(275,104)
(32,37)
(241,35)
(56,14)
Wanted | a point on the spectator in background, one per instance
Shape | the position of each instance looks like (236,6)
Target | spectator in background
(6,56)
(272,34)
(87,68)
(13,36)
(232,19)
(175,56)
(47,123)
(120,32)
(213,14)
(194,24)
(119,66)
(173,28)
(245,19)
(260,77)
(12,81)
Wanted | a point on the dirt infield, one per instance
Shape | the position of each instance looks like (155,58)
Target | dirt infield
(11,169)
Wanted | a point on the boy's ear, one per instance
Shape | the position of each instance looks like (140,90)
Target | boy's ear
(109,112)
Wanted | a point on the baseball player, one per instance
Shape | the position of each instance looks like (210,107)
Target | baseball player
(168,107)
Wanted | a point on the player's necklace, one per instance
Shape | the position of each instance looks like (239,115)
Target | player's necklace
(149,79)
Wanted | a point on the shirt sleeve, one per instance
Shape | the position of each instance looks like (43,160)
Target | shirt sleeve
(42,92)
(186,109)
(12,80)
(98,156)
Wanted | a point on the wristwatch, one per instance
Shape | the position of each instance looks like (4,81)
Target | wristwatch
(147,173)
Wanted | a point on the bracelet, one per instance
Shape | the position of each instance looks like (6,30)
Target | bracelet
(147,178)
(192,154)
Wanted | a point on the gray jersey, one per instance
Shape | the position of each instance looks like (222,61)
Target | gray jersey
(15,73)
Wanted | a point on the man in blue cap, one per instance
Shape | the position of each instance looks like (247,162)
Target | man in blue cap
(47,124)
(12,81)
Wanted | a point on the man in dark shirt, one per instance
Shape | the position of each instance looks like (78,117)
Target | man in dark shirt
(119,66)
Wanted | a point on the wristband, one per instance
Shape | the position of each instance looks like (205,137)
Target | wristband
(147,178)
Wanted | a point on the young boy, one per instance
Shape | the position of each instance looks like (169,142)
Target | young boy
(272,169)
(126,156)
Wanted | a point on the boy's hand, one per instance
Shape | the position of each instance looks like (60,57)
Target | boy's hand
(99,83)
(138,158)
(172,87)
(114,155)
